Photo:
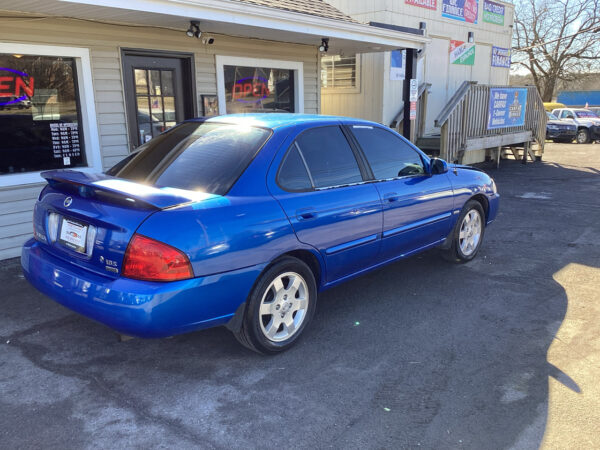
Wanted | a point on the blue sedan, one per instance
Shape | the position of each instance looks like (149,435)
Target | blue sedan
(241,220)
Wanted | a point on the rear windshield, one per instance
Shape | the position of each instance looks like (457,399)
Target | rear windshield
(199,156)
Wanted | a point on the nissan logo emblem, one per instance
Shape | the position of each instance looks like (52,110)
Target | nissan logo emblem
(68,202)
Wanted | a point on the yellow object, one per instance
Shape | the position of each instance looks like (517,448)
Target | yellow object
(550,106)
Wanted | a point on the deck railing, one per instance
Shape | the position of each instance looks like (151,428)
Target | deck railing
(464,120)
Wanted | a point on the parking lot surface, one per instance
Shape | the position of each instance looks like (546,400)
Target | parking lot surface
(502,352)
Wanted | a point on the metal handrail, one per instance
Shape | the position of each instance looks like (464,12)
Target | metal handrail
(398,118)
(453,103)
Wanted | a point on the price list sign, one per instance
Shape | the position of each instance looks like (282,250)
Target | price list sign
(65,141)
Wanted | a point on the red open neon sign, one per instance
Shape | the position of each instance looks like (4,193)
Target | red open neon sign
(250,89)
(14,86)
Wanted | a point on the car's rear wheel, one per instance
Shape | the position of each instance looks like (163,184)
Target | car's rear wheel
(279,308)
(583,136)
(467,234)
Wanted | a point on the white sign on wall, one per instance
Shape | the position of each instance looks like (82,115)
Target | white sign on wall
(397,64)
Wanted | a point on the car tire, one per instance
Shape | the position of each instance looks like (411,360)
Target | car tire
(583,136)
(279,308)
(467,235)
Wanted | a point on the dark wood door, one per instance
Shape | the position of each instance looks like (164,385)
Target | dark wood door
(158,93)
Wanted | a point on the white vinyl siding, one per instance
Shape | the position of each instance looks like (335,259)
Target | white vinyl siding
(105,43)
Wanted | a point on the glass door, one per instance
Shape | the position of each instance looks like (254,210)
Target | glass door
(158,92)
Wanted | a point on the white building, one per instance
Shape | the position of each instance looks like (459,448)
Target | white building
(368,90)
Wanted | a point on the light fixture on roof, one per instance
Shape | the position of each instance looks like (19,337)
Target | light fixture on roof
(324,45)
(194,29)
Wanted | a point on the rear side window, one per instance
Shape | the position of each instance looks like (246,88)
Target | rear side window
(387,154)
(199,156)
(292,174)
(329,158)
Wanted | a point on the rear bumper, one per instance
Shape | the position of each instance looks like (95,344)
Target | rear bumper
(139,308)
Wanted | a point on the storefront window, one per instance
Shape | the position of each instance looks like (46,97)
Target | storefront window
(40,114)
(258,89)
(339,72)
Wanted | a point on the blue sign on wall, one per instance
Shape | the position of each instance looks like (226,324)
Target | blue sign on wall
(507,107)
(500,57)
(465,10)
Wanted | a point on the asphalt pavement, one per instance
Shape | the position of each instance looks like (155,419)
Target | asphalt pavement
(502,352)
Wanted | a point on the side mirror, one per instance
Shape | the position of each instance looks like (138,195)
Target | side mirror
(437,166)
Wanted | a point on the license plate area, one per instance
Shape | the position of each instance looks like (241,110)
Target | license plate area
(73,235)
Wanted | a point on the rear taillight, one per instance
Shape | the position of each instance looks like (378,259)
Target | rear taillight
(151,260)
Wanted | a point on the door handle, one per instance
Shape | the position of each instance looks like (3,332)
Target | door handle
(391,197)
(306,213)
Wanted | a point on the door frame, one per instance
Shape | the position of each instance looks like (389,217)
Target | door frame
(190,104)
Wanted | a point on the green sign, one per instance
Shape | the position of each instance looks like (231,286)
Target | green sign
(493,12)
(462,53)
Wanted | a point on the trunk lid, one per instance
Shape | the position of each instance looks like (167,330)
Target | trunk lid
(89,219)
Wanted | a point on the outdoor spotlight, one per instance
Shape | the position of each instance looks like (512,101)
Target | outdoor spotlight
(324,45)
(422,25)
(194,29)
(471,37)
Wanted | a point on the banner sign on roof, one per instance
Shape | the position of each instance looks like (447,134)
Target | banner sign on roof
(493,12)
(464,10)
(500,57)
(462,53)
(429,4)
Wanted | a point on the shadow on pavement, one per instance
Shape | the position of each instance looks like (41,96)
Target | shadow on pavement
(419,354)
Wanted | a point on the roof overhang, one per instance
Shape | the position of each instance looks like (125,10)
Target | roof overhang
(230,18)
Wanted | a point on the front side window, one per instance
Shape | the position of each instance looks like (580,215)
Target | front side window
(328,156)
(199,156)
(40,115)
(387,154)
(566,114)
(258,89)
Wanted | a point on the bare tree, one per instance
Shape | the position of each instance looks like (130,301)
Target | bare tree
(555,40)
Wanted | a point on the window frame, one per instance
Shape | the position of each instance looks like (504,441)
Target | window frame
(366,161)
(296,66)
(364,170)
(356,89)
(85,90)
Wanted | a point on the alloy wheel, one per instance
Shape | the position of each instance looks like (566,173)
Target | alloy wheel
(470,232)
(283,307)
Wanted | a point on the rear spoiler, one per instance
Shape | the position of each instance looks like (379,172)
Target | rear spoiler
(89,184)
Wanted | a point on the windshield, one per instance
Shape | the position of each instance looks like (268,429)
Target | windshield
(199,156)
(585,114)
(551,116)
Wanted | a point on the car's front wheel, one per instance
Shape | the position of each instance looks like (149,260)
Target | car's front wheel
(279,308)
(467,234)
(583,136)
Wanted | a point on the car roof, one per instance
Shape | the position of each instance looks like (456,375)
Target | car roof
(277,120)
